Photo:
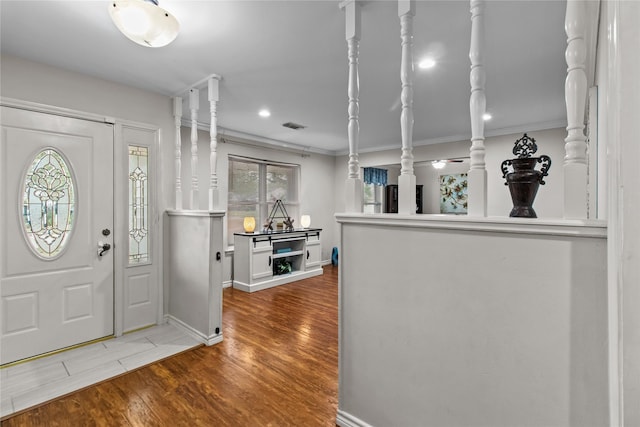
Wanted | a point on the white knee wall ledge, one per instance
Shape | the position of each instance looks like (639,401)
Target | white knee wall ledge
(553,227)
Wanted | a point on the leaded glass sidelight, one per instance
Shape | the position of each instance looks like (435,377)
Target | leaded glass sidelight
(138,204)
(48,204)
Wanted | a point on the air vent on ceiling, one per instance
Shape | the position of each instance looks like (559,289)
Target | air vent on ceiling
(294,126)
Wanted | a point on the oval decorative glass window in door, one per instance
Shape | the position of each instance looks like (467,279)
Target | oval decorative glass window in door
(48,207)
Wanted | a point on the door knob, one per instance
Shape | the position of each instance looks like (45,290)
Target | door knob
(103,247)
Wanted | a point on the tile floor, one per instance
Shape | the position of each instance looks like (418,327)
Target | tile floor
(31,383)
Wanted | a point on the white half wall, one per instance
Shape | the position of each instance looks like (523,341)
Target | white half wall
(195,253)
(451,322)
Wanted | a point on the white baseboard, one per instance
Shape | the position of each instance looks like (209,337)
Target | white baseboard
(345,419)
(227,284)
(276,280)
(211,340)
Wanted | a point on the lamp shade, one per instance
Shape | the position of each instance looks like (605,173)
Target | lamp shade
(144,22)
(305,221)
(249,224)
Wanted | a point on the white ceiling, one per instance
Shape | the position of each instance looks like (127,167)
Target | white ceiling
(291,57)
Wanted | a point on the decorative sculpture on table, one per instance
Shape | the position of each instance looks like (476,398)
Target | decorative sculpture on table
(523,180)
(287,220)
(288,224)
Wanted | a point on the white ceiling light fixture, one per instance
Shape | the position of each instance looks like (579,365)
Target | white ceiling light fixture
(486,117)
(144,22)
(438,164)
(264,113)
(427,63)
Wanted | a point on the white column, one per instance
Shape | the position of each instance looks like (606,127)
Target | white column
(353,187)
(477,202)
(575,93)
(194,104)
(177,117)
(407,179)
(621,112)
(213,145)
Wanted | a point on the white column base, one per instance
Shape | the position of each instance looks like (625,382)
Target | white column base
(477,192)
(178,200)
(194,201)
(353,195)
(407,194)
(214,199)
(575,191)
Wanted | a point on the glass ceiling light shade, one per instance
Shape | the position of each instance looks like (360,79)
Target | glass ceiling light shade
(438,164)
(144,22)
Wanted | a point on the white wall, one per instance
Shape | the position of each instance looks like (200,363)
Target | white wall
(618,120)
(429,178)
(35,82)
(548,203)
(628,111)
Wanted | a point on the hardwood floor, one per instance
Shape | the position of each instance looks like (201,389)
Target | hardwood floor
(277,366)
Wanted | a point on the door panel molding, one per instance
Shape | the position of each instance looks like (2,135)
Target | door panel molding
(129,317)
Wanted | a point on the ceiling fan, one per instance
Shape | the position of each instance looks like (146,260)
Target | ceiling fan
(439,164)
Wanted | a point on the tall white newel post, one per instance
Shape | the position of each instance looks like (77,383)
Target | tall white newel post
(177,117)
(477,106)
(575,93)
(214,202)
(407,179)
(353,187)
(194,105)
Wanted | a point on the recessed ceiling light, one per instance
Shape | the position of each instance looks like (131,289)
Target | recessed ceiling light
(264,113)
(427,63)
(486,117)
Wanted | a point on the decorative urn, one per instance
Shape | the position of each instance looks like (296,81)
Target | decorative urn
(522,177)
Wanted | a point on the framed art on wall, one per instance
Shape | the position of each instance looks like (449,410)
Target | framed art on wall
(453,193)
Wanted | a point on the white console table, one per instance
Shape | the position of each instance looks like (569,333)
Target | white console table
(264,260)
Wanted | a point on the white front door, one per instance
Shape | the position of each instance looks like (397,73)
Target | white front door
(56,207)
